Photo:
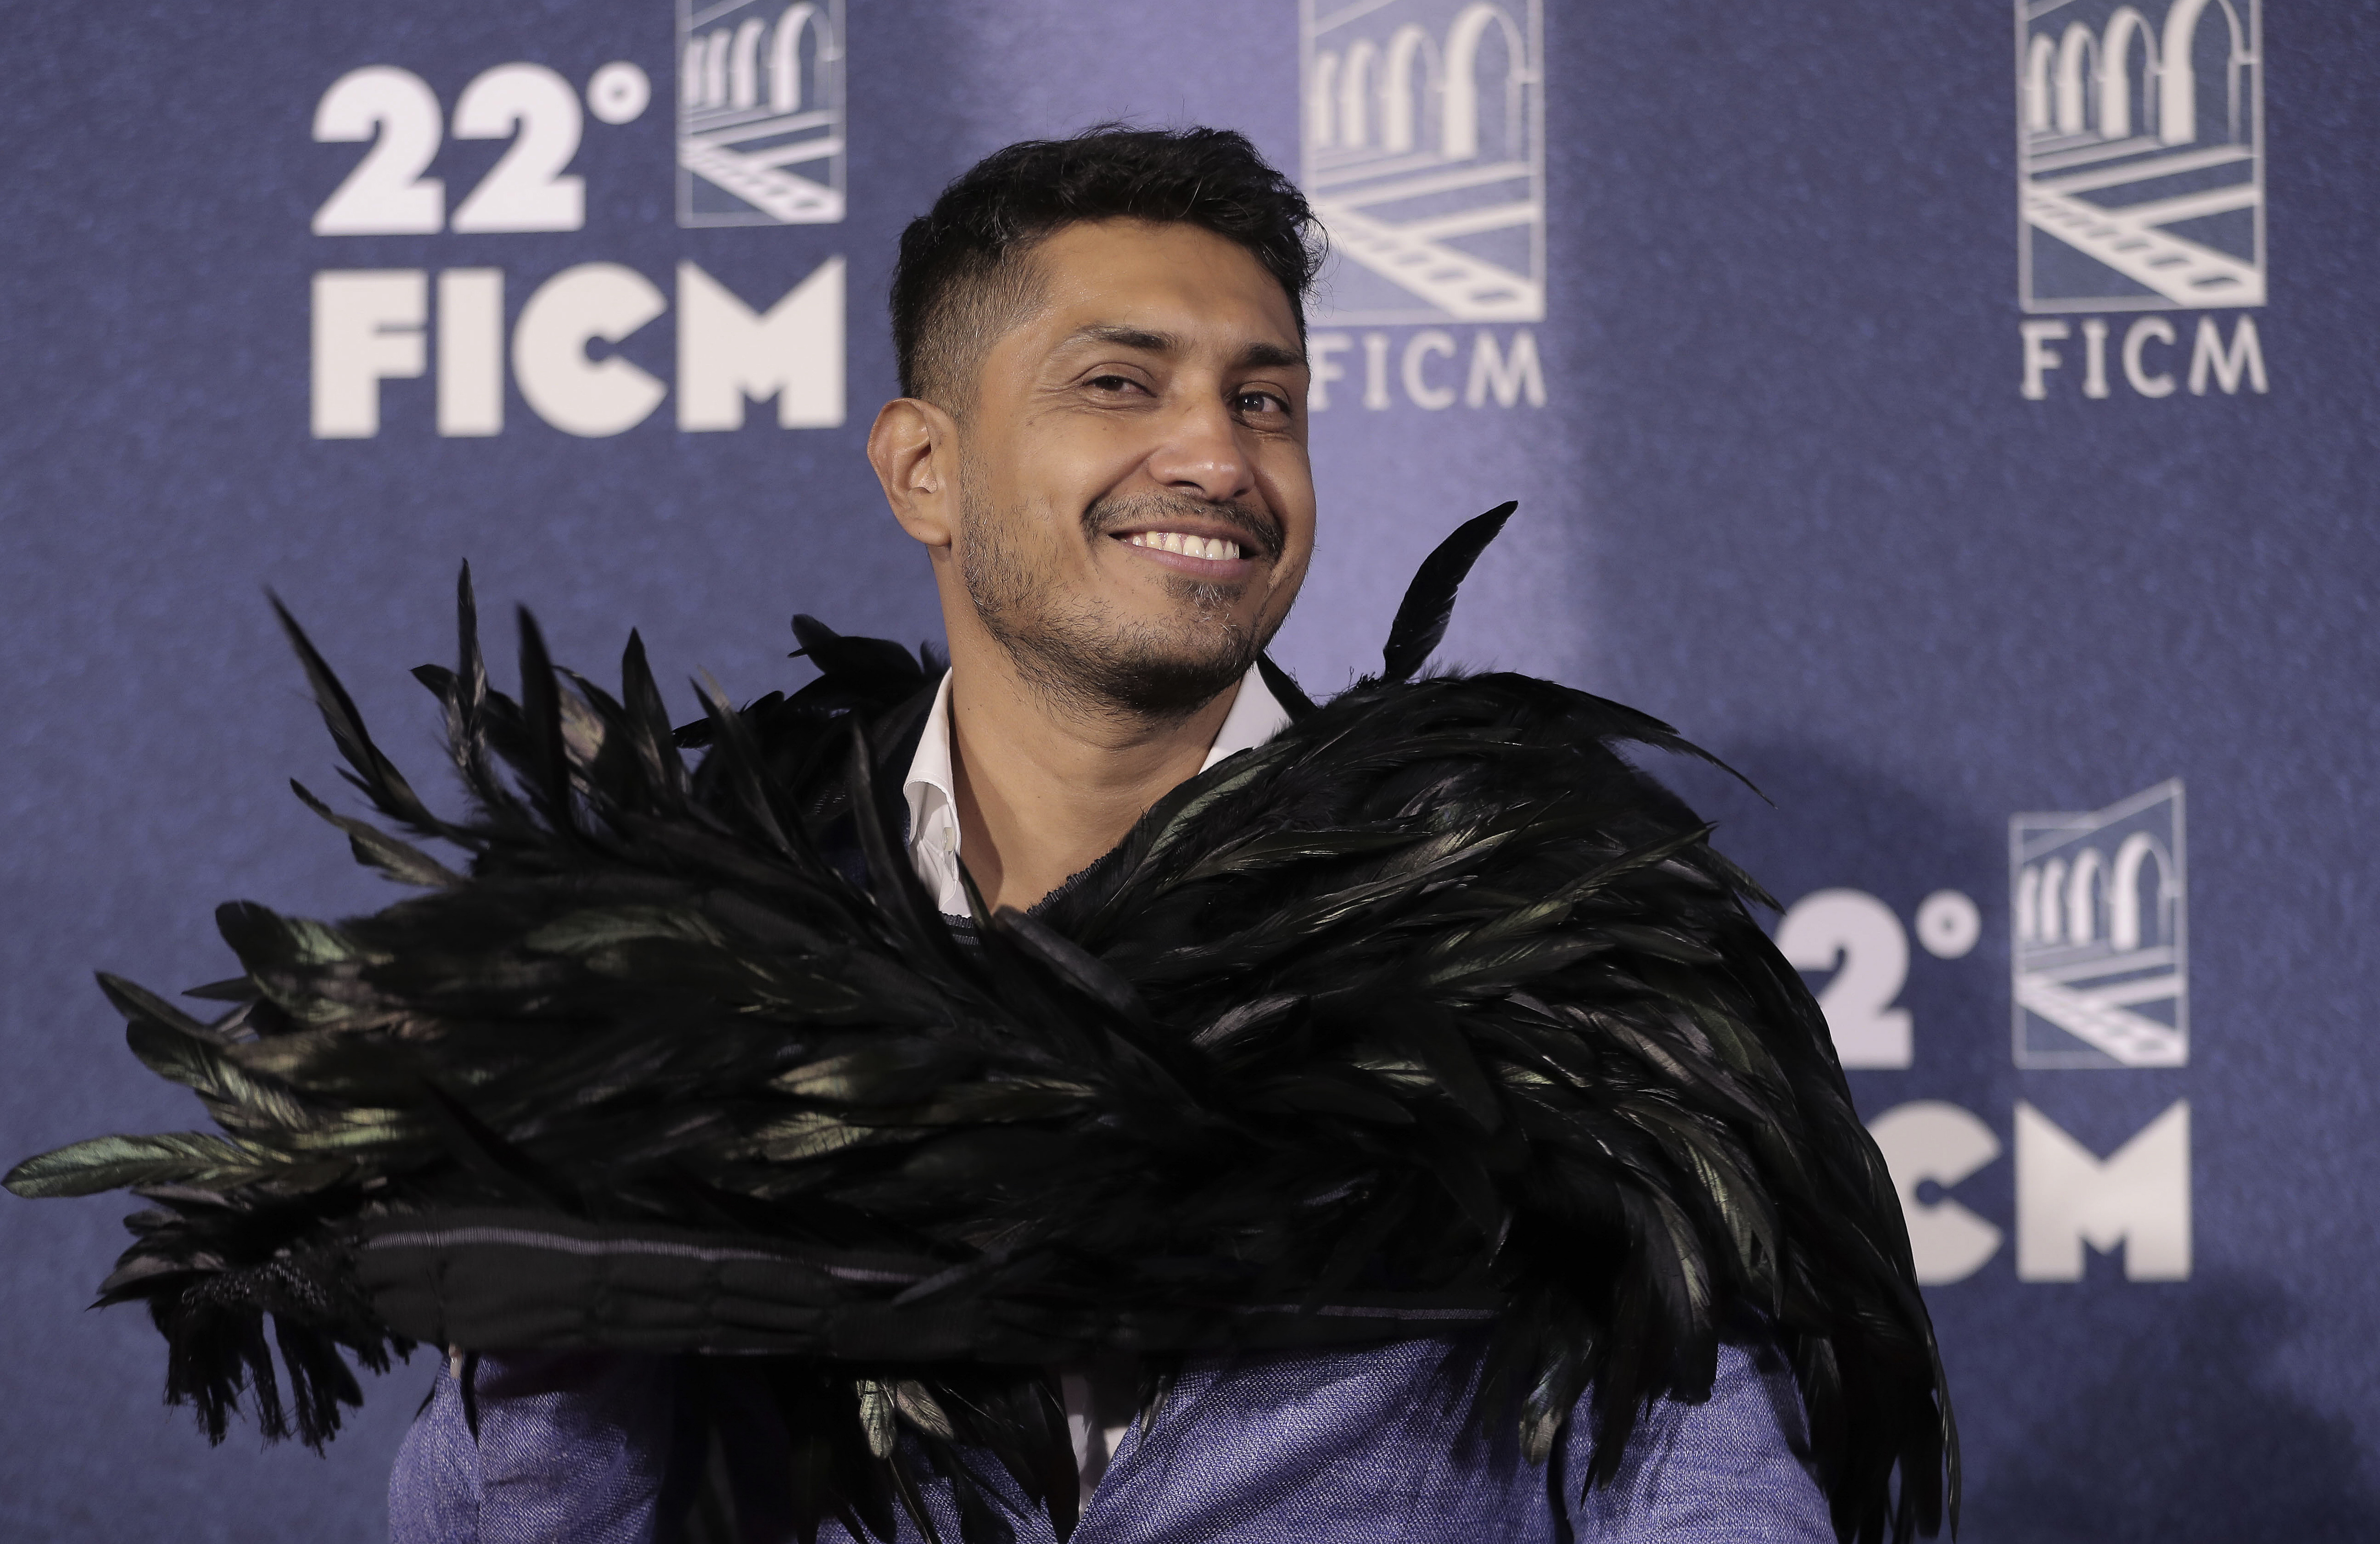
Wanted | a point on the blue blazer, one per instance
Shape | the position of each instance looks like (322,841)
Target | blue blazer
(1348,1447)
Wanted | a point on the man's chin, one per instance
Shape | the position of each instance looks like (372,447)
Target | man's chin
(1159,687)
(1145,673)
(1126,646)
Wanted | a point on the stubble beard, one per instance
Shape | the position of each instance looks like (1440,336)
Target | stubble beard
(1073,650)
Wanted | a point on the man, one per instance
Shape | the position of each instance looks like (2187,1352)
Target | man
(1230,1118)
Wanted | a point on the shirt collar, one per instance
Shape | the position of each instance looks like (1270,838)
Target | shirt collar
(930,790)
(1257,716)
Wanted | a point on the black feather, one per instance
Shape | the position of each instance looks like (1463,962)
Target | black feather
(1284,688)
(1428,605)
(370,771)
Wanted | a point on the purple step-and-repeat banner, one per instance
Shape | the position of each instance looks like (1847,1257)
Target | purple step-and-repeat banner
(1958,417)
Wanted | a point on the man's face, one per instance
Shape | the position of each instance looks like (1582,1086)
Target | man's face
(1136,509)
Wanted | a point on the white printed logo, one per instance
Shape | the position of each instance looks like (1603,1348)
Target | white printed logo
(2140,156)
(2069,1199)
(2101,950)
(760,91)
(1425,157)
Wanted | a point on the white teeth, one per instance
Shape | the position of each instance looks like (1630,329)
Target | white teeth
(1214,549)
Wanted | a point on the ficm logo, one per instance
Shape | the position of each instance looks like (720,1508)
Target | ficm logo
(2143,162)
(2100,979)
(2101,952)
(1425,157)
(761,89)
(1425,160)
(2141,188)
(759,93)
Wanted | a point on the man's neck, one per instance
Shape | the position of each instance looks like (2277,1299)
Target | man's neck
(1045,789)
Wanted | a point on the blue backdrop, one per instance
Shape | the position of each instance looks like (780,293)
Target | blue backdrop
(1955,416)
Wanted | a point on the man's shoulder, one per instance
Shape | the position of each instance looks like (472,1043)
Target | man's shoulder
(1443,749)
(802,740)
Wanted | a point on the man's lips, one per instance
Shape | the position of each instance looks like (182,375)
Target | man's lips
(1208,549)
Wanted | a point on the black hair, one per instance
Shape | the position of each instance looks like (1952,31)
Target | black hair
(959,275)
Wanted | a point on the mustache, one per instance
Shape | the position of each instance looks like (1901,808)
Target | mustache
(1260,531)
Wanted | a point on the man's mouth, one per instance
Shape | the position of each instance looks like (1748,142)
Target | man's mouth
(1213,543)
(1213,549)
(1215,555)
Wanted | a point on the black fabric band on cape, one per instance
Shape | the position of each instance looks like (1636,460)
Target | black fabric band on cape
(494,1279)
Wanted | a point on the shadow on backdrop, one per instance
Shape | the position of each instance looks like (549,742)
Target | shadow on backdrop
(2179,1433)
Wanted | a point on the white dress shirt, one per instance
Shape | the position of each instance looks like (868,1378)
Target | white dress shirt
(932,790)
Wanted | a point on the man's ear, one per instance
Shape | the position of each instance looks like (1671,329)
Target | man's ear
(914,446)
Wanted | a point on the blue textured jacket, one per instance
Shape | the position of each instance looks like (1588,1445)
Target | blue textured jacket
(1346,1448)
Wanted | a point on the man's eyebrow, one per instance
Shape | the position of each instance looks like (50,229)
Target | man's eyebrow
(1259,355)
(1127,337)
(1272,355)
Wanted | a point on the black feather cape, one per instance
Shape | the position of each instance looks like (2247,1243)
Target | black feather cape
(1430,1015)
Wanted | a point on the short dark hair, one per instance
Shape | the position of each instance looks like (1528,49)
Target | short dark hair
(958,274)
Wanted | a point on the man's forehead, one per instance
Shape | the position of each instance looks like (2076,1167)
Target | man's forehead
(1162,288)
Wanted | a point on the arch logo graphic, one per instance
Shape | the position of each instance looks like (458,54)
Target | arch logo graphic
(2101,954)
(1423,150)
(2139,155)
(760,112)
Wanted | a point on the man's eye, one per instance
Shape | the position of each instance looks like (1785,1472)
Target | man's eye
(1113,384)
(1261,401)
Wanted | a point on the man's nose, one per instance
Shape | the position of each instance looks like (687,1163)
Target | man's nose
(1201,454)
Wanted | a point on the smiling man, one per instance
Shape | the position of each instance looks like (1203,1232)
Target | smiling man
(1102,446)
(1088,1091)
